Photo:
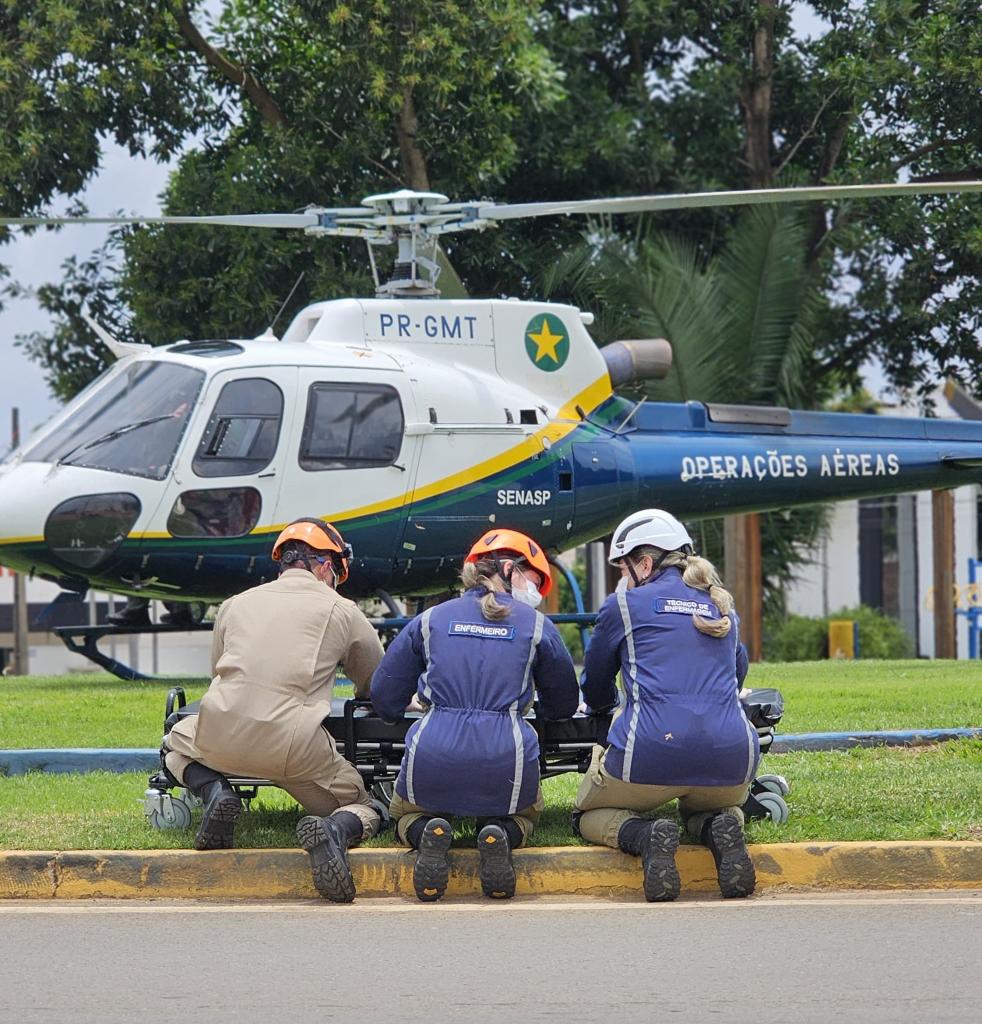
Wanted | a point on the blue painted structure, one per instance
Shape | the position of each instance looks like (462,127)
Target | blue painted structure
(974,611)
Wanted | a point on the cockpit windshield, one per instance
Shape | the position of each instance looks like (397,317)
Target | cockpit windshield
(132,424)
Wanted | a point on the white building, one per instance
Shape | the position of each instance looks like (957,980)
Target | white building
(879,552)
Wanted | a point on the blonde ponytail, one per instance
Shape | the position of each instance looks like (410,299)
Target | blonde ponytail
(484,573)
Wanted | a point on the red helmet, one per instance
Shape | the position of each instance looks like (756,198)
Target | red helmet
(321,536)
(518,546)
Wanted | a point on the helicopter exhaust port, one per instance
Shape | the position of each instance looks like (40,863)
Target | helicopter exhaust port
(637,359)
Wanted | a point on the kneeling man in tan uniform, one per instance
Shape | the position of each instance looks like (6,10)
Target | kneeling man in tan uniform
(275,654)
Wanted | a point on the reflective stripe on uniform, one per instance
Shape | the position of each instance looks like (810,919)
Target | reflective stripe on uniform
(411,758)
(632,729)
(424,626)
(516,725)
(751,733)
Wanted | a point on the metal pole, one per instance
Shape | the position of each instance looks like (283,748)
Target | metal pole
(110,610)
(22,651)
(154,652)
(596,575)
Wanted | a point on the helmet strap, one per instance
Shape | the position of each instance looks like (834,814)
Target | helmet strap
(630,569)
(500,567)
(655,566)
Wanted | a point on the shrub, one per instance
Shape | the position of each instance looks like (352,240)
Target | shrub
(879,635)
(796,638)
(800,638)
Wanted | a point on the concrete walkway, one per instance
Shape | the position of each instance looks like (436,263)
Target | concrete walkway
(858,957)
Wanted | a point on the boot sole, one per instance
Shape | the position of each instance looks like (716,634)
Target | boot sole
(431,872)
(218,824)
(328,862)
(735,870)
(496,869)
(661,875)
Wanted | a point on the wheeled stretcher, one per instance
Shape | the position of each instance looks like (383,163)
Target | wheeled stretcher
(375,748)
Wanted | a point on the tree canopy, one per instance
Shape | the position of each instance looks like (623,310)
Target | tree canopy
(279,105)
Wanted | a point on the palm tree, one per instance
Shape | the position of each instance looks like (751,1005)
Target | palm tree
(740,324)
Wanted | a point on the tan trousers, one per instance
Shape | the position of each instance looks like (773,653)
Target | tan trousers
(339,789)
(606,802)
(404,813)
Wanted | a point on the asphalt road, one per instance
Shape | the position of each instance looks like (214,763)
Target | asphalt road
(852,957)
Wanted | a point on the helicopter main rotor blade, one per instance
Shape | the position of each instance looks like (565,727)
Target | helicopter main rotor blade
(695,200)
(245,220)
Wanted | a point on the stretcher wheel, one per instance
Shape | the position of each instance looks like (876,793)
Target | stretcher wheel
(773,803)
(166,811)
(775,784)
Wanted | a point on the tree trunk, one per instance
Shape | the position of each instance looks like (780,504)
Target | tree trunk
(741,537)
(413,159)
(830,156)
(943,520)
(756,99)
(742,533)
(248,83)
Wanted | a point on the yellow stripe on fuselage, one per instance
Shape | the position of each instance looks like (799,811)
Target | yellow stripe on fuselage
(21,540)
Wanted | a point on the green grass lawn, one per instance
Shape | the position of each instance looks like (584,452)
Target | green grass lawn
(930,792)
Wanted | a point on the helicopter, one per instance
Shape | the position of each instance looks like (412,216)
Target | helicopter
(414,423)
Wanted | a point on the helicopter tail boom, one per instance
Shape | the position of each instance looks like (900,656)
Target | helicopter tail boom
(705,460)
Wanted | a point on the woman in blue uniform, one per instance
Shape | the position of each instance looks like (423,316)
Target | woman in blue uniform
(671,631)
(472,663)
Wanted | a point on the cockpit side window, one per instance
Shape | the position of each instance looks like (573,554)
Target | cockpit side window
(133,423)
(351,426)
(243,430)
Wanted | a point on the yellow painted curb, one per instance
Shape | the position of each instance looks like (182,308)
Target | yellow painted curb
(546,871)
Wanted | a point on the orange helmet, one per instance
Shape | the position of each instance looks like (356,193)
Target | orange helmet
(321,536)
(520,547)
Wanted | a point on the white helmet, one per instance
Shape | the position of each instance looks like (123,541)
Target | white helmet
(650,526)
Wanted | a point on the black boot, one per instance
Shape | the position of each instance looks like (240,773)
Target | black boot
(496,869)
(134,613)
(183,613)
(222,807)
(655,842)
(327,841)
(431,872)
(723,834)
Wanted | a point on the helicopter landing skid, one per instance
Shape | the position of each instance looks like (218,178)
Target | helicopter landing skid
(84,640)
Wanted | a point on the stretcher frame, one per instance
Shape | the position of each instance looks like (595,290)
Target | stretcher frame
(375,748)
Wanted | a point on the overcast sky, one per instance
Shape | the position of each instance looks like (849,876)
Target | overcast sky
(125,183)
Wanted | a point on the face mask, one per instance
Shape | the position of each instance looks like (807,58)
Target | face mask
(531,596)
(621,587)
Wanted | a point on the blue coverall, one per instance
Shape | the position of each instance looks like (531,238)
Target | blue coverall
(682,731)
(472,752)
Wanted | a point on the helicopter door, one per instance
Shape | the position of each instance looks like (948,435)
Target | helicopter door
(221,502)
(355,463)
(474,476)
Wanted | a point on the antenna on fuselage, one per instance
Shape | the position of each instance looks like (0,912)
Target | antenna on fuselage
(270,334)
